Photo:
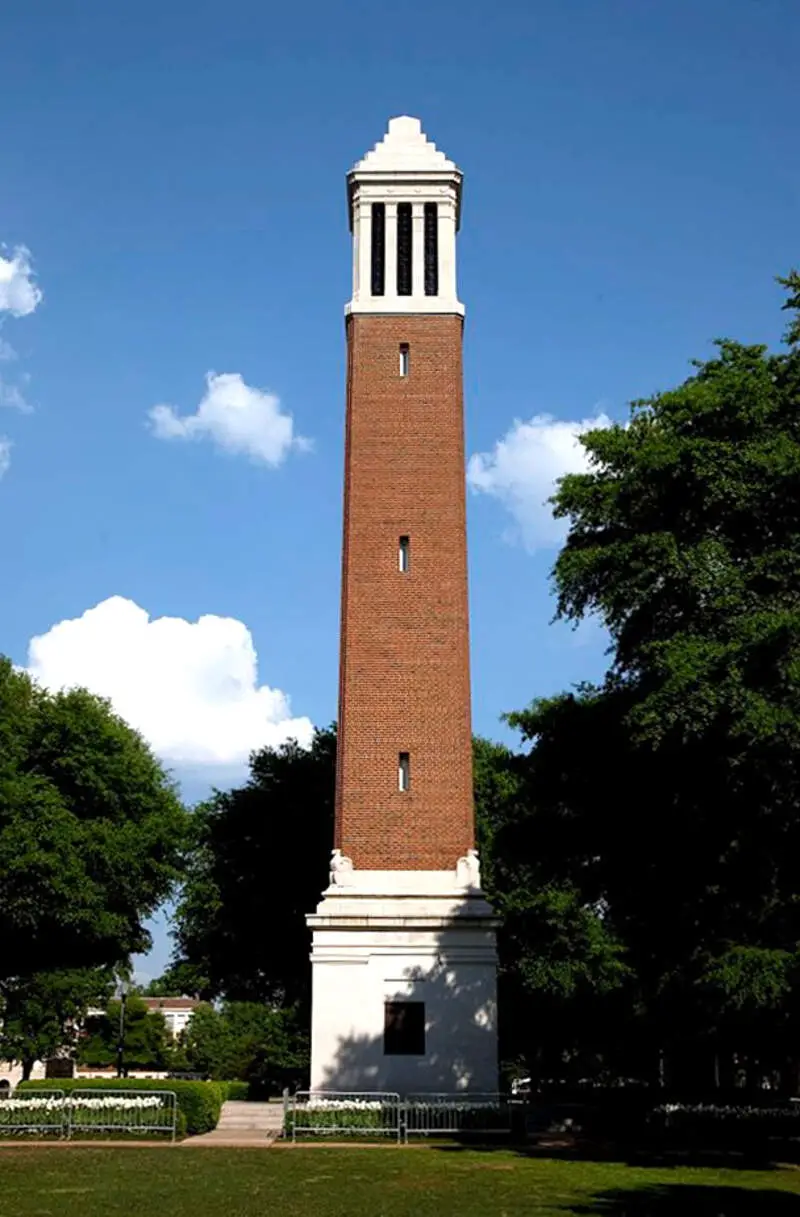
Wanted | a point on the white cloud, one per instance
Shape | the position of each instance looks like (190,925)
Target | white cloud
(5,455)
(522,469)
(7,352)
(190,687)
(19,293)
(236,417)
(12,395)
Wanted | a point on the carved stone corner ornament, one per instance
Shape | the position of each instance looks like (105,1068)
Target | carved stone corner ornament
(468,870)
(341,869)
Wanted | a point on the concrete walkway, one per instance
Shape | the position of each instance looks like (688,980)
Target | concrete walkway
(244,1124)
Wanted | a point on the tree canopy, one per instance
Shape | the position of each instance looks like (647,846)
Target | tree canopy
(248,1041)
(258,865)
(147,1043)
(680,822)
(41,1016)
(91,831)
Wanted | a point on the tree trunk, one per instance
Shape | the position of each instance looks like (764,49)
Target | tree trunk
(27,1069)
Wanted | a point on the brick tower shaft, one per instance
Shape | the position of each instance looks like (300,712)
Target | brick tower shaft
(404,676)
(404,957)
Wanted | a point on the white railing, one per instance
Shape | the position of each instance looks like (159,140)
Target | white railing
(34,1111)
(333,1113)
(88,1111)
(132,1112)
(368,1114)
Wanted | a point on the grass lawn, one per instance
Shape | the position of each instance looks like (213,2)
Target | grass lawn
(364,1182)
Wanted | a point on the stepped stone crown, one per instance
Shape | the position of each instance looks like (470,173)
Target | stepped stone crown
(404,201)
(405,148)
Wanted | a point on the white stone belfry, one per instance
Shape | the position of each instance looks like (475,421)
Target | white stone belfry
(405,168)
(404,962)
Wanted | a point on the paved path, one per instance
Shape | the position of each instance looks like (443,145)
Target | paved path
(244,1124)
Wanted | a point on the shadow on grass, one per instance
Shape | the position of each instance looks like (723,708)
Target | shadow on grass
(687,1200)
(759,1159)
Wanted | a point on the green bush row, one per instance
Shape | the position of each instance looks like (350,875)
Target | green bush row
(239,1091)
(199,1103)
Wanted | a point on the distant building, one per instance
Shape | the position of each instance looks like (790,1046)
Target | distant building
(177,1011)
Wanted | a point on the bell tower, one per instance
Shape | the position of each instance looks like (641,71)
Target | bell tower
(403,955)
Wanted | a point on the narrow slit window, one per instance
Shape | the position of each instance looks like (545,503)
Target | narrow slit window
(404,555)
(431,249)
(404,1028)
(404,269)
(404,772)
(405,358)
(378,248)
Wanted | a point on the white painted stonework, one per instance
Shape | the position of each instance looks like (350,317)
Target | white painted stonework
(381,936)
(405,167)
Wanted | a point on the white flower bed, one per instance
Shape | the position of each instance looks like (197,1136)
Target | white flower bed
(105,1103)
(344,1105)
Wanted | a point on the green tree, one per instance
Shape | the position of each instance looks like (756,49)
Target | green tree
(667,796)
(146,1041)
(179,980)
(248,1041)
(41,1016)
(259,863)
(91,831)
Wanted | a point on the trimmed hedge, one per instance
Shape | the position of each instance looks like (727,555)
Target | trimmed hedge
(199,1103)
(238,1091)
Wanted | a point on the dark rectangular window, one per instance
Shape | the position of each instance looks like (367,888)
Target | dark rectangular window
(404,772)
(405,359)
(404,555)
(404,1028)
(404,258)
(378,248)
(431,249)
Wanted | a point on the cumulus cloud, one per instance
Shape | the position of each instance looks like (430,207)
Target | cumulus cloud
(523,467)
(19,292)
(5,455)
(236,417)
(190,687)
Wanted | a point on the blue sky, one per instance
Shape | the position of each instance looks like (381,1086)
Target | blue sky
(176,172)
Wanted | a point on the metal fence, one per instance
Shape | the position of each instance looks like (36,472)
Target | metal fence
(333,1113)
(83,1112)
(368,1114)
(426,1115)
(123,1111)
(34,1111)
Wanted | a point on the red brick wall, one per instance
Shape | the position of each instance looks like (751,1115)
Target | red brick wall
(404,669)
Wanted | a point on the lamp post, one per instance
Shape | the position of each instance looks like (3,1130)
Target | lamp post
(123,994)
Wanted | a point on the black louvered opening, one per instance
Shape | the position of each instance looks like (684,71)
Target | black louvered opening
(404,255)
(378,248)
(431,249)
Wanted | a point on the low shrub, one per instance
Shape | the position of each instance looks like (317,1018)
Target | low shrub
(238,1091)
(199,1103)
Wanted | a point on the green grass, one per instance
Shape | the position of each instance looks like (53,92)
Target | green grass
(368,1182)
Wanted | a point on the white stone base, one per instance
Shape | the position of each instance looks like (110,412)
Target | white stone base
(382,936)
